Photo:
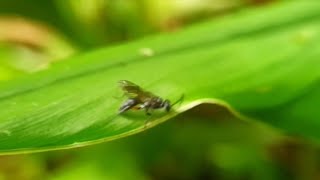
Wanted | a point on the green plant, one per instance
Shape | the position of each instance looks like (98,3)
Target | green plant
(263,63)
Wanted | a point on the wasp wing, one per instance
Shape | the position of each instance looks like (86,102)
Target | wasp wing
(132,90)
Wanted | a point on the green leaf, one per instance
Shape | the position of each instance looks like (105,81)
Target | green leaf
(263,63)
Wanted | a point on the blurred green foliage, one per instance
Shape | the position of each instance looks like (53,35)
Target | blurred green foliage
(57,29)
(99,22)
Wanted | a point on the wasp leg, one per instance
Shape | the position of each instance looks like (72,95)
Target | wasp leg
(130,103)
(149,117)
(147,112)
(147,107)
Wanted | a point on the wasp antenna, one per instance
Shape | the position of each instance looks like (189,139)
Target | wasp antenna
(179,100)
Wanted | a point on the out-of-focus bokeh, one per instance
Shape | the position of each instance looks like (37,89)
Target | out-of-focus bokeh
(35,33)
(199,144)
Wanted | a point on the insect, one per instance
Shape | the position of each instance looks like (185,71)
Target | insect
(141,99)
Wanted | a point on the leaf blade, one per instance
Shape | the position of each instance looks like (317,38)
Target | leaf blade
(253,68)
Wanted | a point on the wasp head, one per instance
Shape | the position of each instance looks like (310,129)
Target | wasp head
(167,105)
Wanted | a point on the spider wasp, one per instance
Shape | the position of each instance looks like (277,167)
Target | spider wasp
(141,99)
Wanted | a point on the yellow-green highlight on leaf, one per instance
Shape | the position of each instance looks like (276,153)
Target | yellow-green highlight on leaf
(260,62)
